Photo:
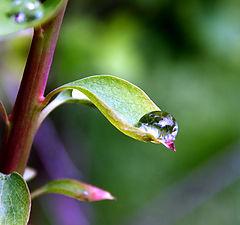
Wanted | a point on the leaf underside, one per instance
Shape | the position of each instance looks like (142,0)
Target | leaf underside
(14,200)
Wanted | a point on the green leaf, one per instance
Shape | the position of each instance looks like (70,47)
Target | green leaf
(16,15)
(66,96)
(74,189)
(121,102)
(14,200)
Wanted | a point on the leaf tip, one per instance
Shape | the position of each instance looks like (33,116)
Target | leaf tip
(170,145)
(98,194)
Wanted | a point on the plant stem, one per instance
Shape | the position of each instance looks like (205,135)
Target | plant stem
(36,193)
(15,151)
(4,115)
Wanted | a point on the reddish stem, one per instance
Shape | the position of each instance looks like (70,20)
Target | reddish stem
(17,144)
(4,115)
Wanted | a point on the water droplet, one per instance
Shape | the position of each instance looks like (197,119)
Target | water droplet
(26,10)
(160,124)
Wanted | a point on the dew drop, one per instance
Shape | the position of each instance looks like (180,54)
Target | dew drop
(161,125)
(26,10)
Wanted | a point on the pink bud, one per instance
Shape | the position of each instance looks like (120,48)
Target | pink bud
(95,194)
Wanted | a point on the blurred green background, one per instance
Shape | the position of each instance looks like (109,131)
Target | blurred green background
(186,56)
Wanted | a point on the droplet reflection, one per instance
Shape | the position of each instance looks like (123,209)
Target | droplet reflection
(20,17)
(26,10)
(161,125)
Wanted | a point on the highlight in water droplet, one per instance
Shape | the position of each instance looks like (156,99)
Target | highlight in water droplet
(32,5)
(20,17)
(161,125)
(38,14)
(17,2)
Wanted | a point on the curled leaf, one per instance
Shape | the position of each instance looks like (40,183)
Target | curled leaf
(74,189)
(121,102)
(66,96)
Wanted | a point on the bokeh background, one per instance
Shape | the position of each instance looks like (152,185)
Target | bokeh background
(186,56)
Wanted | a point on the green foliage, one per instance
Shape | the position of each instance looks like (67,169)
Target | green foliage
(121,102)
(64,97)
(183,64)
(74,189)
(19,16)
(14,200)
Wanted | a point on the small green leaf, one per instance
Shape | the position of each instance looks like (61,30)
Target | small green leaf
(16,15)
(121,102)
(74,189)
(14,200)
